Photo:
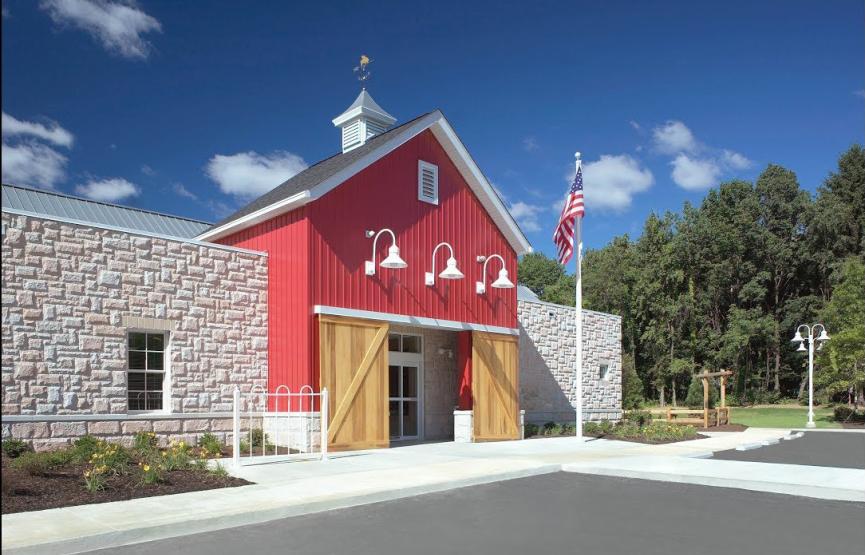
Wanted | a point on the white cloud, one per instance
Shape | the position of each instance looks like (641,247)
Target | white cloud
(860,93)
(52,132)
(118,25)
(694,174)
(182,191)
(526,215)
(108,190)
(611,182)
(736,161)
(147,170)
(635,125)
(249,174)
(31,163)
(674,137)
(530,144)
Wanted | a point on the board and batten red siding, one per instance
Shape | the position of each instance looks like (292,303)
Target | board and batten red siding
(285,238)
(385,195)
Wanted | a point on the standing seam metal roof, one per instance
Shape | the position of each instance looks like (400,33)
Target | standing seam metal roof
(51,203)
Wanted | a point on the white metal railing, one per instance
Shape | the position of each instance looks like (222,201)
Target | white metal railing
(295,421)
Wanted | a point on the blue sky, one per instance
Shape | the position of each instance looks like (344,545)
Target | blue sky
(193,107)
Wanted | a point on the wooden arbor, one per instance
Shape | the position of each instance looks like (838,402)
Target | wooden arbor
(722,413)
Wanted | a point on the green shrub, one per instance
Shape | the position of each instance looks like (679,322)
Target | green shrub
(39,464)
(694,399)
(152,470)
(144,442)
(843,413)
(219,471)
(14,448)
(177,456)
(639,417)
(84,447)
(115,458)
(95,478)
(568,429)
(632,385)
(591,428)
(531,430)
(210,443)
(605,427)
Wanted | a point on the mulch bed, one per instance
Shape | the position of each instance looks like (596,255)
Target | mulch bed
(853,425)
(64,487)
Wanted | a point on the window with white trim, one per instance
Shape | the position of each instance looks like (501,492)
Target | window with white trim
(146,370)
(427,182)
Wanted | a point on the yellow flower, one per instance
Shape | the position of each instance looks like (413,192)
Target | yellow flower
(146,468)
(87,474)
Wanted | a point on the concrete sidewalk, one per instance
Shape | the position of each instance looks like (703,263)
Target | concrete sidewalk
(294,488)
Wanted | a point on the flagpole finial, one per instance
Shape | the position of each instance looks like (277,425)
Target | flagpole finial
(577,155)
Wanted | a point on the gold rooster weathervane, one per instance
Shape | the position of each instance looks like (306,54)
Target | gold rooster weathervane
(361,70)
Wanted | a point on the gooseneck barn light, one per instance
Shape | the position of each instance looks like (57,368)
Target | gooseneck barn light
(393,259)
(501,283)
(450,272)
(809,339)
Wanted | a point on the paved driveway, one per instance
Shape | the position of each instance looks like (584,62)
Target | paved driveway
(835,449)
(554,513)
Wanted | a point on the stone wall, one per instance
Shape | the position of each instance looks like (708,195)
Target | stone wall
(70,293)
(547,356)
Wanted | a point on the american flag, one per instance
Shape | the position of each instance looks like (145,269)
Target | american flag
(573,209)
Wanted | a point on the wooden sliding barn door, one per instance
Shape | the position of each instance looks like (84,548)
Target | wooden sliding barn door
(353,355)
(495,386)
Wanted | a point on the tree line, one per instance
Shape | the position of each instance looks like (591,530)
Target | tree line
(724,285)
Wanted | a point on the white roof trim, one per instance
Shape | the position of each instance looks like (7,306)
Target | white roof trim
(418,321)
(452,145)
(144,233)
(263,214)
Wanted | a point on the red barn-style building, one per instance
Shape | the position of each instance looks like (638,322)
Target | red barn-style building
(351,245)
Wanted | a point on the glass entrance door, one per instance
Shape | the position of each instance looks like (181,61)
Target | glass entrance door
(404,404)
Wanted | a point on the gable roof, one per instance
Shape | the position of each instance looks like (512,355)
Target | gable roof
(319,179)
(27,200)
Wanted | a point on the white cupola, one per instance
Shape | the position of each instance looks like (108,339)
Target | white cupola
(362,120)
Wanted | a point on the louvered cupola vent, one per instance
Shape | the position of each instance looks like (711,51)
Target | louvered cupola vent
(362,120)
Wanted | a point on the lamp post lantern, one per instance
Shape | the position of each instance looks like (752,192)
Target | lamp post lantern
(809,338)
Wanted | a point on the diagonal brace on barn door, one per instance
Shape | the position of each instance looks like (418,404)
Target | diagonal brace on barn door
(362,371)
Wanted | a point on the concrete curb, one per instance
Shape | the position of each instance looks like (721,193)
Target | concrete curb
(800,490)
(195,526)
(749,446)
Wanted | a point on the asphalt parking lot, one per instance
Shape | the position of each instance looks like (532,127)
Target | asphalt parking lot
(554,513)
(836,449)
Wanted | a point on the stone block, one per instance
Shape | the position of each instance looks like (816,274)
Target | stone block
(103,427)
(68,429)
(164,426)
(135,426)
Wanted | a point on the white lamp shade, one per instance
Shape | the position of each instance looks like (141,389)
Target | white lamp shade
(802,347)
(393,259)
(503,282)
(451,271)
(823,336)
(797,337)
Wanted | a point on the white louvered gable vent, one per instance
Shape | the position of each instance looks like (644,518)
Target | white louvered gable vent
(427,182)
(351,136)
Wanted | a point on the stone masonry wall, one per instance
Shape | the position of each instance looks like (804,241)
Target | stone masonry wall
(69,294)
(547,355)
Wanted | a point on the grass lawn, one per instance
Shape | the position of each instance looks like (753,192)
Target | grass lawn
(781,417)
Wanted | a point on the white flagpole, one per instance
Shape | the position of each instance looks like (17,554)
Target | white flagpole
(578,239)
